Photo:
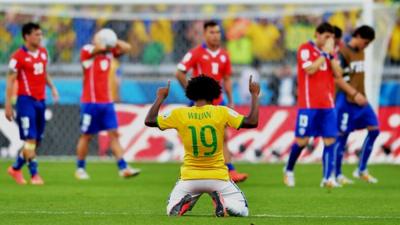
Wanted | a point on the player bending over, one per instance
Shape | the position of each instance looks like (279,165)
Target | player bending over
(97,108)
(202,128)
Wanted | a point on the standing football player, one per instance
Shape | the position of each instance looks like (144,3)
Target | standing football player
(213,61)
(201,128)
(28,67)
(352,116)
(317,73)
(97,108)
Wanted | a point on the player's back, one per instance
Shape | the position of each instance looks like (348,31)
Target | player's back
(201,130)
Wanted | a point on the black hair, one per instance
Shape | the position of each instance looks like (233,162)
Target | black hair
(325,27)
(27,28)
(210,23)
(365,32)
(338,32)
(203,88)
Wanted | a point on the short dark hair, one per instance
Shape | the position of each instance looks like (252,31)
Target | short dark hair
(338,32)
(27,28)
(325,27)
(209,23)
(203,88)
(365,32)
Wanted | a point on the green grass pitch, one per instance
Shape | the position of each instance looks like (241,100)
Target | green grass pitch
(108,199)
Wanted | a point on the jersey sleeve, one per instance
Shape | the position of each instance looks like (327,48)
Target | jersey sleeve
(233,118)
(14,65)
(304,57)
(188,61)
(169,120)
(86,55)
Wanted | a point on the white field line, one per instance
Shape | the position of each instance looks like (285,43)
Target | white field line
(96,213)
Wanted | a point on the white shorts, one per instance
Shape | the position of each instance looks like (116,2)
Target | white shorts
(234,199)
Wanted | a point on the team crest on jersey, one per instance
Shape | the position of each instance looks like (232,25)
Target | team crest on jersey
(223,58)
(206,57)
(44,57)
(305,54)
(104,65)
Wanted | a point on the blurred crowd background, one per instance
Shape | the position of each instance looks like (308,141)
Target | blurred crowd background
(266,44)
(165,40)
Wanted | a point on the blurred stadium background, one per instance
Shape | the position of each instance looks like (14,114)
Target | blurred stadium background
(161,32)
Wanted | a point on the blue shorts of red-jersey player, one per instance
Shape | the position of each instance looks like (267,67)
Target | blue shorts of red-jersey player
(352,116)
(316,123)
(30,118)
(96,117)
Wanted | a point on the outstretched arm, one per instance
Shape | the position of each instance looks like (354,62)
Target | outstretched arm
(151,118)
(251,121)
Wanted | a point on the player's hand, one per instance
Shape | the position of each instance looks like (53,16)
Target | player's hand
(360,99)
(254,87)
(163,91)
(329,46)
(9,112)
(55,95)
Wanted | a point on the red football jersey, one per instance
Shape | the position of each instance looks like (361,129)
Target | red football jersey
(31,72)
(315,90)
(201,60)
(96,70)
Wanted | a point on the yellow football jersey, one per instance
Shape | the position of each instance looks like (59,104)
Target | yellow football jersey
(202,130)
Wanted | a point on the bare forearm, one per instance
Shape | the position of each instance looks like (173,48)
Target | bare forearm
(151,118)
(251,121)
(49,81)
(9,88)
(123,46)
(228,89)
(314,67)
(340,82)
(181,77)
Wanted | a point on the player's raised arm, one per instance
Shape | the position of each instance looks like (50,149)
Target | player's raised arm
(12,76)
(315,66)
(123,46)
(151,118)
(251,121)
